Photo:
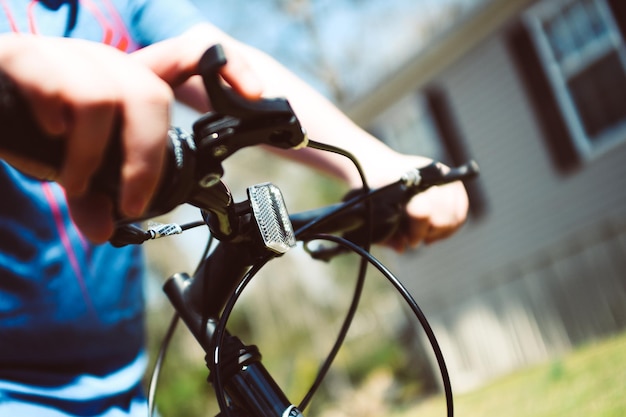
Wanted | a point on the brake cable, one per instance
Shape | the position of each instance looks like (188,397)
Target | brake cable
(356,298)
(160,360)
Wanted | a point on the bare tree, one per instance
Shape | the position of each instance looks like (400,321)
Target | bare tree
(303,13)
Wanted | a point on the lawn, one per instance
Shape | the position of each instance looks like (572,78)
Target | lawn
(589,382)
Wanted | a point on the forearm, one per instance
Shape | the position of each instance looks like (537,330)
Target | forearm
(324,122)
(250,69)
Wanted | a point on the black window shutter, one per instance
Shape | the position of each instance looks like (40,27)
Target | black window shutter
(454,144)
(542,98)
(618,7)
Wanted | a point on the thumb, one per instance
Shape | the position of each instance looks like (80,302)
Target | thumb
(239,74)
(92,214)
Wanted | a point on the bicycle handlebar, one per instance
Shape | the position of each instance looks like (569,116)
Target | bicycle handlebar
(193,175)
(386,206)
(193,167)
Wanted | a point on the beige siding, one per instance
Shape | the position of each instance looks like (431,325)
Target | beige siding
(522,283)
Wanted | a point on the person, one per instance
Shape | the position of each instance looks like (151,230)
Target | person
(71,305)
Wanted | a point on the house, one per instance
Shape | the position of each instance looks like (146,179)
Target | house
(535,92)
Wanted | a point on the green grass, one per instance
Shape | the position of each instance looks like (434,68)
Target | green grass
(591,381)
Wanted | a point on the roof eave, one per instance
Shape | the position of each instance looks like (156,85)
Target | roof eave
(439,54)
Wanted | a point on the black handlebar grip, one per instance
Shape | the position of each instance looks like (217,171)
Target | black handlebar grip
(20,134)
(22,137)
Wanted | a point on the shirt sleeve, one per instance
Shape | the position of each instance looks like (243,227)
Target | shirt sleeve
(156,20)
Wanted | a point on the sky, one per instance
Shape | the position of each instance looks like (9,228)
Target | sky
(341,47)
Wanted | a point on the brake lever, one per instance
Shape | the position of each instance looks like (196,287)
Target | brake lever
(236,122)
(437,174)
(388,207)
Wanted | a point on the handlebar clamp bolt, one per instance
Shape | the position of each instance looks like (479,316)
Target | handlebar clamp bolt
(220,151)
(209,180)
(412,178)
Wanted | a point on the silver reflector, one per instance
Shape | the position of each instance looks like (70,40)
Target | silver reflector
(270,213)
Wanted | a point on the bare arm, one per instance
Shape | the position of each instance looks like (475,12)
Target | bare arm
(81,92)
(435,214)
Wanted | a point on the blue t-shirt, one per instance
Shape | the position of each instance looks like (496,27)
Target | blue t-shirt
(71,313)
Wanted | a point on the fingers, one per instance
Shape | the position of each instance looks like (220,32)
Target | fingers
(51,111)
(176,61)
(87,137)
(420,227)
(92,215)
(87,94)
(437,213)
(432,216)
(117,94)
(240,75)
(144,136)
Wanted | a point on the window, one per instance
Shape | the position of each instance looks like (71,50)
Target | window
(583,55)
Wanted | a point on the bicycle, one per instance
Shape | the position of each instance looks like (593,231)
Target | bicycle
(249,233)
